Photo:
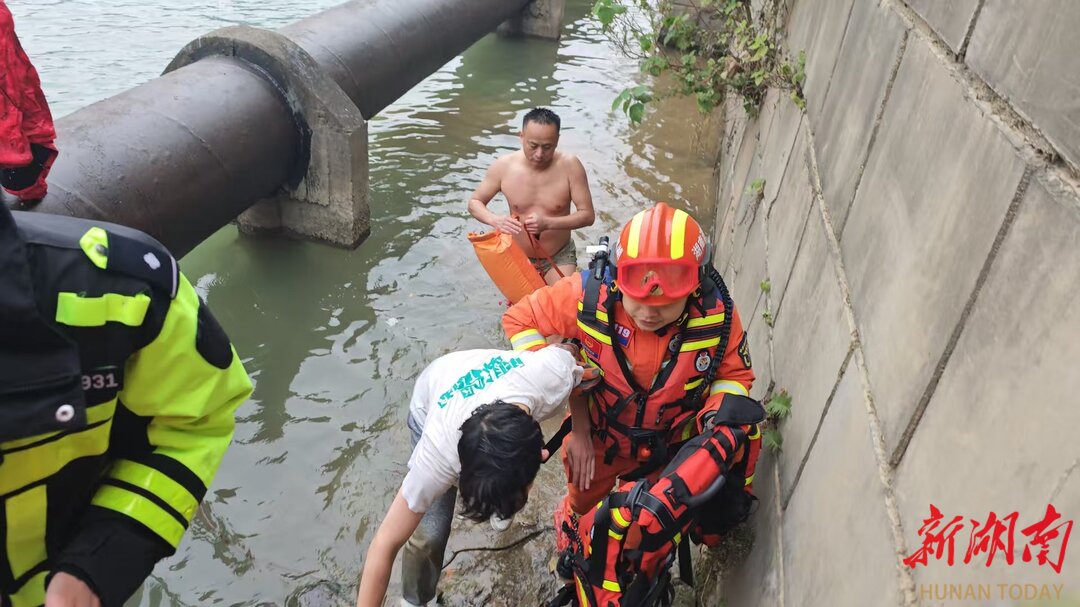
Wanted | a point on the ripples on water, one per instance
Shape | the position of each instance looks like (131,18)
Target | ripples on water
(334,338)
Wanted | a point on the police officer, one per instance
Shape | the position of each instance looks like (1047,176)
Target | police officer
(117,393)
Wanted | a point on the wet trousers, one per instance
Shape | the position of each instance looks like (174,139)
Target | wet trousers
(422,558)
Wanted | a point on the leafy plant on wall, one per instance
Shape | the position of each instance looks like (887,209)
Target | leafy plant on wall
(711,48)
(778,409)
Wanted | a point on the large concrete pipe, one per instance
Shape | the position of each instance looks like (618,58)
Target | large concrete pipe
(177,157)
(378,49)
(244,114)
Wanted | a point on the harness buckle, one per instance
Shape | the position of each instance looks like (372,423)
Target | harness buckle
(647,445)
(564,567)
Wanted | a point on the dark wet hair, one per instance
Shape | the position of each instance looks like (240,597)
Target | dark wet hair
(500,456)
(542,115)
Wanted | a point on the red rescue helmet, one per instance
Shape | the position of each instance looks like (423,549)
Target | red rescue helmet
(660,255)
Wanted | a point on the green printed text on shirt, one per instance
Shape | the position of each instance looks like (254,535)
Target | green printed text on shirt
(477,379)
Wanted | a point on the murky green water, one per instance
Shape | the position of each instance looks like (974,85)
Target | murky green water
(334,338)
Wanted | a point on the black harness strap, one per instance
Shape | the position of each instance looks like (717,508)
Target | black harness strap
(656,442)
(556,439)
(564,596)
(591,296)
(601,520)
(651,542)
(696,398)
(580,567)
(721,438)
(679,491)
(620,356)
(686,565)
(658,509)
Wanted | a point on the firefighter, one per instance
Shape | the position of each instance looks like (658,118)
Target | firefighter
(117,394)
(668,343)
(621,552)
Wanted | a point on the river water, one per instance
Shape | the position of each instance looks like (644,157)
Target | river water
(334,338)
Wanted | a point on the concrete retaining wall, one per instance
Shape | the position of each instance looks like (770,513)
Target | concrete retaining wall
(919,228)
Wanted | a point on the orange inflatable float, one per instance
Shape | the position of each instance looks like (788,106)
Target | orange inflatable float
(506,263)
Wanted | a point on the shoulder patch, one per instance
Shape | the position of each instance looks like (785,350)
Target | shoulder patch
(143,259)
(210,339)
(744,352)
(108,246)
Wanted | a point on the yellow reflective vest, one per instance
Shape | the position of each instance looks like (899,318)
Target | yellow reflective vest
(117,397)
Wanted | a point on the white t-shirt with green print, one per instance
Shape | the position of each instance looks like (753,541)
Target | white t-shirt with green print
(453,386)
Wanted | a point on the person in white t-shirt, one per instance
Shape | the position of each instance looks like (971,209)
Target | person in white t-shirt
(474,422)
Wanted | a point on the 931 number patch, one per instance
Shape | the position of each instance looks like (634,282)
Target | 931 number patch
(99,381)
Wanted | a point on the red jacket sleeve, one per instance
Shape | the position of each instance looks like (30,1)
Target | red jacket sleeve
(545,312)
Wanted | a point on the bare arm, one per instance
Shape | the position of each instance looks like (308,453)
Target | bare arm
(580,195)
(488,188)
(395,530)
(579,450)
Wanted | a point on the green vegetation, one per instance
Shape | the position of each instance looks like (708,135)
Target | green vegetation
(778,408)
(772,440)
(710,47)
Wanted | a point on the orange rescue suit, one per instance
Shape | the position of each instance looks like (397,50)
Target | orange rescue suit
(555,311)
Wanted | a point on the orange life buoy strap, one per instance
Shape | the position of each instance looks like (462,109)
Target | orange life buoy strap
(535,242)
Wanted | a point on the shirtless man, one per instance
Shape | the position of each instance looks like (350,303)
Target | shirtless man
(539,184)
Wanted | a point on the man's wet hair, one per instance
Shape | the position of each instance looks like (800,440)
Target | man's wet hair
(542,115)
(500,456)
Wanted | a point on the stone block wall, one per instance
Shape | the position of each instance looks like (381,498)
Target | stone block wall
(919,230)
